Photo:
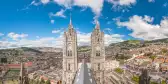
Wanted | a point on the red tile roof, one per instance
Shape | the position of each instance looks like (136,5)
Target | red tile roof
(27,64)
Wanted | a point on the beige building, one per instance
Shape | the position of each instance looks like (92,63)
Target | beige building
(111,65)
(70,63)
(97,54)
(69,55)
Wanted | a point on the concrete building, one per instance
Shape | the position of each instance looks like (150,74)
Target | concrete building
(97,54)
(111,65)
(69,55)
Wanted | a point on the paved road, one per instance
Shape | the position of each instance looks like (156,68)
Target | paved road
(84,75)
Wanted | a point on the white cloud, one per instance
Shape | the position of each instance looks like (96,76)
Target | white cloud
(36,3)
(122,2)
(114,38)
(151,0)
(66,3)
(95,5)
(45,1)
(82,38)
(59,14)
(148,19)
(143,28)
(39,42)
(56,31)
(52,21)
(15,36)
(108,29)
(83,9)
(1,34)
(122,5)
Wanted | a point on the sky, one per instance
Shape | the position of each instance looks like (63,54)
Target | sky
(41,23)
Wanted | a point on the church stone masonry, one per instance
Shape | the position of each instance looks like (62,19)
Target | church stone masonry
(97,54)
(69,55)
(70,63)
(23,78)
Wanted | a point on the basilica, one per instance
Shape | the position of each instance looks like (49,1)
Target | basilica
(70,58)
(98,71)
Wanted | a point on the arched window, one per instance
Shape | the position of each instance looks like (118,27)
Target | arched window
(69,53)
(97,53)
(69,66)
(98,66)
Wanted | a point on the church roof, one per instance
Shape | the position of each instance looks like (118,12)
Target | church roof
(84,75)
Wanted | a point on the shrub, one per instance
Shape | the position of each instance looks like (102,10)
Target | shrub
(119,70)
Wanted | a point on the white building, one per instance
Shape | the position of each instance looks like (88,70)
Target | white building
(111,64)
(98,54)
(70,64)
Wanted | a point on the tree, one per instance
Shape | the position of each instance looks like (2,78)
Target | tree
(164,50)
(119,70)
(42,81)
(37,82)
(153,82)
(32,81)
(163,82)
(135,79)
(48,82)
(153,57)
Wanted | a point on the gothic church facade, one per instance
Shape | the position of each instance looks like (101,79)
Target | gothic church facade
(97,54)
(70,63)
(69,55)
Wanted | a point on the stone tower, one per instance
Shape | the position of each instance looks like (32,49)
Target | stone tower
(23,79)
(69,55)
(97,54)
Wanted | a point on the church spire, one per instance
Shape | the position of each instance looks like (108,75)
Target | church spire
(70,23)
(97,25)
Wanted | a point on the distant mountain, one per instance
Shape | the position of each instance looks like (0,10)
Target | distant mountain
(84,48)
(158,41)
(111,50)
(128,44)
(26,49)
(47,49)
(138,43)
